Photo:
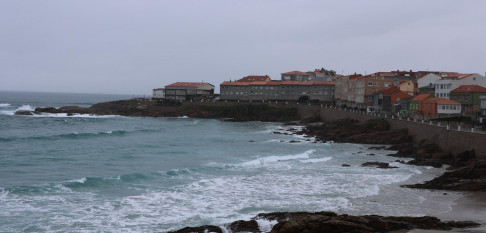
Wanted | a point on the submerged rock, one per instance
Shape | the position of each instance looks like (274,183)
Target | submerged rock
(24,113)
(378,165)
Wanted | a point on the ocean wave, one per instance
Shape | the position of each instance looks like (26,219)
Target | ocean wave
(74,115)
(4,105)
(94,182)
(12,112)
(319,160)
(74,135)
(272,159)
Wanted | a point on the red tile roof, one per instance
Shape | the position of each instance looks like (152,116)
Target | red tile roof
(470,88)
(441,101)
(298,73)
(447,101)
(278,83)
(421,97)
(252,78)
(187,84)
(390,90)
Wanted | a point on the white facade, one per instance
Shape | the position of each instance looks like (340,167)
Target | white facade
(158,93)
(444,87)
(427,80)
(448,109)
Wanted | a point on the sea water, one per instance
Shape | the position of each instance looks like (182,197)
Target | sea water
(86,173)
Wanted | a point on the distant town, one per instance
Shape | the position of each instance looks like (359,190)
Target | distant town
(419,94)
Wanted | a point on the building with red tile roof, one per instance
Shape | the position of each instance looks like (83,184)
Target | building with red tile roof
(277,90)
(416,103)
(254,78)
(469,96)
(436,107)
(450,82)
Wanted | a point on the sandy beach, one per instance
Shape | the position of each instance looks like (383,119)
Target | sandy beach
(470,207)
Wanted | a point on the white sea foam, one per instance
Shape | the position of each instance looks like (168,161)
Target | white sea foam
(262,161)
(266,225)
(21,108)
(64,115)
(3,105)
(319,160)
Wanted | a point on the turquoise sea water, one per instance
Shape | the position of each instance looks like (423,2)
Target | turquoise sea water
(120,174)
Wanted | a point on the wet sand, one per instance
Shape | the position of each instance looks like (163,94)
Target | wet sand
(470,207)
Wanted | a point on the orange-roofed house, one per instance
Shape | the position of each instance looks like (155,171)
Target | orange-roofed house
(390,97)
(189,91)
(255,78)
(434,107)
(469,97)
(416,103)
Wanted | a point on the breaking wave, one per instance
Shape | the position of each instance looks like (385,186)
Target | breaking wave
(76,135)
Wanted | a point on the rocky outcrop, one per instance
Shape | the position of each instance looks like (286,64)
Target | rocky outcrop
(290,222)
(378,165)
(144,108)
(375,131)
(471,177)
(429,154)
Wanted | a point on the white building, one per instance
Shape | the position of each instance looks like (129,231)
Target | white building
(427,80)
(450,82)
(448,107)
(158,93)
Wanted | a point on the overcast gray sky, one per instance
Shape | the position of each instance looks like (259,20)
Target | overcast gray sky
(131,47)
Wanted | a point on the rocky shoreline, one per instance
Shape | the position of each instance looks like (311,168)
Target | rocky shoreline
(467,173)
(331,222)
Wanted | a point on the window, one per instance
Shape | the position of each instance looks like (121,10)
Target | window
(370,83)
(370,98)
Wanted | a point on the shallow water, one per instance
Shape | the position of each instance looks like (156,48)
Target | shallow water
(121,174)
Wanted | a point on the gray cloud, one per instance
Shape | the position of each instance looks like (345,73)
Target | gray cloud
(133,46)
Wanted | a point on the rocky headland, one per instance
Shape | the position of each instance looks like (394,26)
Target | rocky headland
(146,108)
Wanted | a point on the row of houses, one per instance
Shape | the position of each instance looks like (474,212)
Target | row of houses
(425,93)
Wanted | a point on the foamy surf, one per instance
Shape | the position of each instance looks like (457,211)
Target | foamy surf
(262,161)
(4,105)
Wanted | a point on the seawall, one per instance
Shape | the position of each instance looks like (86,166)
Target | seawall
(450,140)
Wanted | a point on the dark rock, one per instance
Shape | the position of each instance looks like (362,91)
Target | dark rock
(468,178)
(244,226)
(345,165)
(290,123)
(201,229)
(290,222)
(293,141)
(48,110)
(24,113)
(377,147)
(349,130)
(370,154)
(378,165)
(462,224)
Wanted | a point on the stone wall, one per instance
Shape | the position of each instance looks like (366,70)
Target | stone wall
(448,140)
